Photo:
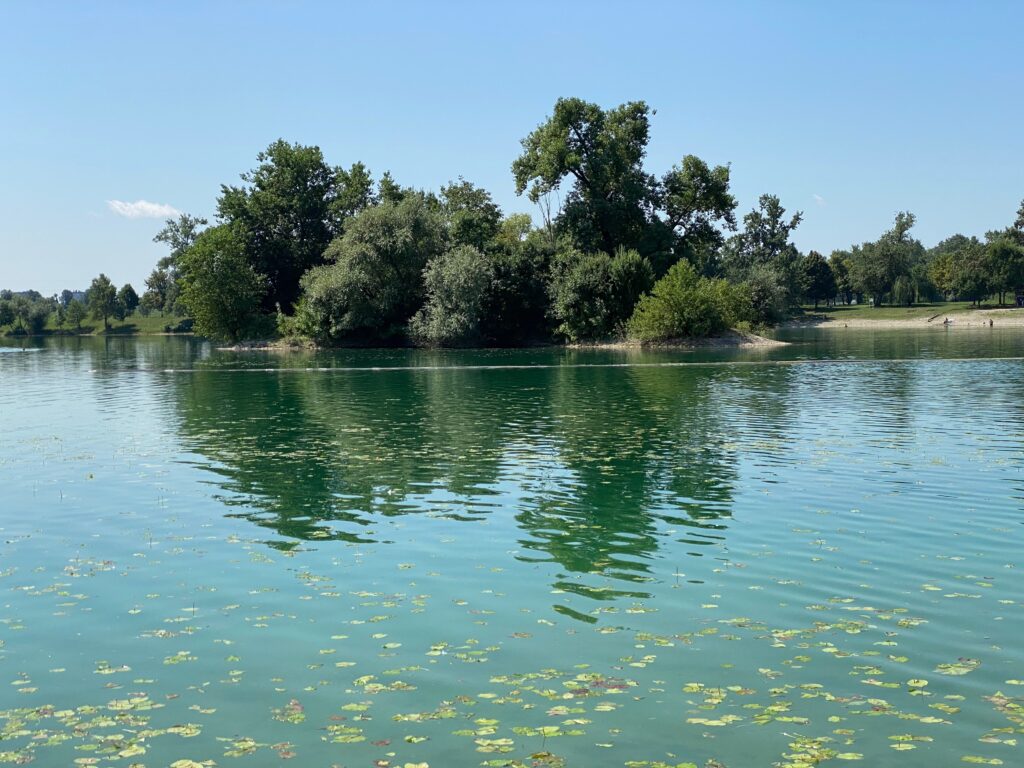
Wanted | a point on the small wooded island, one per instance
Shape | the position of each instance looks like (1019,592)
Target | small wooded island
(305,251)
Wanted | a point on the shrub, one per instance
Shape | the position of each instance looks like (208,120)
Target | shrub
(592,295)
(375,284)
(684,305)
(456,284)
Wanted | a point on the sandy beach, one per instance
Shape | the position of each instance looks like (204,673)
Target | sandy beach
(976,318)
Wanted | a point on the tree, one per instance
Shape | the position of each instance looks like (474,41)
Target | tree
(102,299)
(764,243)
(179,235)
(818,279)
(942,260)
(471,215)
(6,312)
(31,313)
(1006,265)
(354,193)
(162,290)
(838,262)
(602,153)
(517,302)
(902,291)
(972,273)
(697,203)
(76,313)
(456,284)
(875,266)
(285,216)
(66,297)
(375,283)
(128,299)
(592,295)
(684,304)
(219,286)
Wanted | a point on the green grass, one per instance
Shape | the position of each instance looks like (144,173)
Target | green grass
(136,325)
(886,312)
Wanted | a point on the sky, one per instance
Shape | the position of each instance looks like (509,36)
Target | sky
(114,115)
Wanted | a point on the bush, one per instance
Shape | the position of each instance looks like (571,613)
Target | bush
(376,283)
(220,288)
(592,295)
(683,305)
(456,284)
(769,297)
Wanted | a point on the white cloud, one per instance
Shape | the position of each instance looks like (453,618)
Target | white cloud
(819,200)
(142,209)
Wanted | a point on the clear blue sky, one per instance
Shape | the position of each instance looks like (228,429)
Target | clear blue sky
(848,111)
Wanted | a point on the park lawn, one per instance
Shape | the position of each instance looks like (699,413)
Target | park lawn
(887,312)
(133,325)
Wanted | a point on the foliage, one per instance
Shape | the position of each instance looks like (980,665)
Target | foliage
(903,293)
(613,202)
(6,312)
(592,295)
(219,286)
(684,304)
(285,215)
(127,301)
(162,289)
(517,302)
(768,293)
(1005,262)
(875,266)
(764,247)
(76,313)
(603,152)
(471,215)
(26,312)
(838,262)
(102,299)
(374,285)
(696,200)
(456,284)
(817,278)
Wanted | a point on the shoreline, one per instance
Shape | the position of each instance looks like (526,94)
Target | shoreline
(733,339)
(971,318)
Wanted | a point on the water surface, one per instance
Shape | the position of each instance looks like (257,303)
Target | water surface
(787,555)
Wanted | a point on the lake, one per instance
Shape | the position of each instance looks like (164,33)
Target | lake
(777,556)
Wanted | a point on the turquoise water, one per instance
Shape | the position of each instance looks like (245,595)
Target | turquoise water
(794,555)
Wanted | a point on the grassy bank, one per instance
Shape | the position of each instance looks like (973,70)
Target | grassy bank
(959,313)
(136,325)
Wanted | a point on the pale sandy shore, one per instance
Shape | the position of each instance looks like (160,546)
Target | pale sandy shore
(1000,318)
(730,339)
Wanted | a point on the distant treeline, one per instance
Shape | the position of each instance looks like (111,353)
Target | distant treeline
(302,248)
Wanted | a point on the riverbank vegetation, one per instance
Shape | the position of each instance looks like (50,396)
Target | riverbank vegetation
(304,249)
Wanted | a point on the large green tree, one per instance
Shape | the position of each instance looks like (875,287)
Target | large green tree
(611,201)
(162,284)
(456,283)
(874,266)
(471,215)
(697,205)
(817,278)
(374,283)
(76,313)
(286,214)
(219,287)
(102,299)
(602,152)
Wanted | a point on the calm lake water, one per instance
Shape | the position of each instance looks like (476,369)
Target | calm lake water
(786,556)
